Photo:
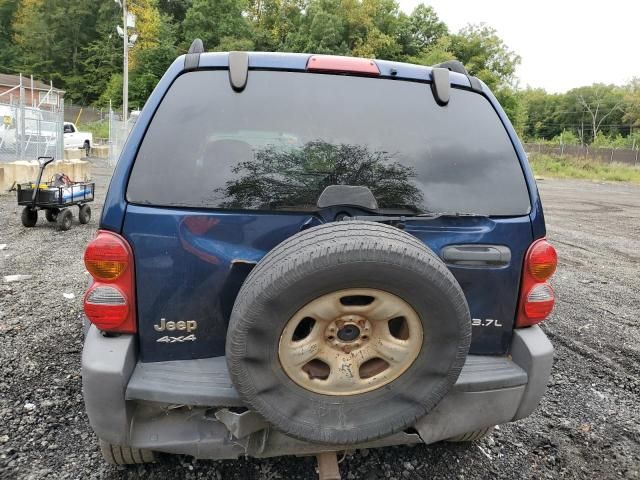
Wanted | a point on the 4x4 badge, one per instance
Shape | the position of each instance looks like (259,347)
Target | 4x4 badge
(181,339)
(184,326)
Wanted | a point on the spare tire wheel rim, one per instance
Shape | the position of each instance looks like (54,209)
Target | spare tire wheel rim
(350,342)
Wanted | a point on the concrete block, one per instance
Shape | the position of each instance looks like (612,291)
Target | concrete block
(73,153)
(101,151)
(27,171)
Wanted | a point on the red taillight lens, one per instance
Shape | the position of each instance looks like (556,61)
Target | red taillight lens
(539,302)
(110,302)
(536,296)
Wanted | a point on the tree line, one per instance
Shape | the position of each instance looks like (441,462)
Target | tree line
(74,43)
(600,115)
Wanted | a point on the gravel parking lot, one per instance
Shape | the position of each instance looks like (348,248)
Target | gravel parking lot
(588,425)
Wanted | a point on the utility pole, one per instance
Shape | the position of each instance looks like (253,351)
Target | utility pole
(128,20)
(125,73)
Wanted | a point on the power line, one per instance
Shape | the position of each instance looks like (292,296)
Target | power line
(586,126)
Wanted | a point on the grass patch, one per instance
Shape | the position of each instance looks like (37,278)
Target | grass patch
(576,167)
(100,129)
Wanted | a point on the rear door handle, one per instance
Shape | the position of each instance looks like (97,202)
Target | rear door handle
(477,255)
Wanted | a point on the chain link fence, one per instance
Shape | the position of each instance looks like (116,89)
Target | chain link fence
(82,114)
(118,133)
(27,132)
(630,156)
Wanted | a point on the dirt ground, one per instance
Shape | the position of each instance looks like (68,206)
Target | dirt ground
(588,425)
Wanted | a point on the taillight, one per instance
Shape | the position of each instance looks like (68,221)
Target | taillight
(536,295)
(110,302)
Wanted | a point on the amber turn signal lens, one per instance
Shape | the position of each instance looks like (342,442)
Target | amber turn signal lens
(105,269)
(542,260)
(107,257)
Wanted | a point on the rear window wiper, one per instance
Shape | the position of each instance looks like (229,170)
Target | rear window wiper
(400,220)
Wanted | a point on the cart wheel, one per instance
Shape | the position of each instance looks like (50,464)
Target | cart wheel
(29,217)
(85,214)
(64,220)
(51,214)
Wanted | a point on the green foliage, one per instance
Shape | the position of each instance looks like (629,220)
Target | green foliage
(101,58)
(575,167)
(151,63)
(632,101)
(49,37)
(176,9)
(633,140)
(598,108)
(541,109)
(99,129)
(274,22)
(112,92)
(421,31)
(613,141)
(566,137)
(75,44)
(8,49)
(485,55)
(514,108)
(230,44)
(590,113)
(213,20)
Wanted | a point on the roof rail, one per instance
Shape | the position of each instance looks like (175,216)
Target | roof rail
(457,67)
(192,59)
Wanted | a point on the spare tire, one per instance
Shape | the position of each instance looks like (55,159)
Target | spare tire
(347,332)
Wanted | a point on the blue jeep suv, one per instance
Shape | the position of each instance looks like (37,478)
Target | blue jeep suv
(305,253)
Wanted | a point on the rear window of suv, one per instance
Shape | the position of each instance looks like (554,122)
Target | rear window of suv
(278,144)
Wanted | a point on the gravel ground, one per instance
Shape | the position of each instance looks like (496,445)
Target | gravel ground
(588,425)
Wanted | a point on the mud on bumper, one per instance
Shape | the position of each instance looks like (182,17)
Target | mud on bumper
(190,406)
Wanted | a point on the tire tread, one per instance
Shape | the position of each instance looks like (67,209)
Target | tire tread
(358,239)
(120,455)
(471,436)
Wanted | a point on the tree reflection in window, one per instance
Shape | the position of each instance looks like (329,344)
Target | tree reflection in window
(277,179)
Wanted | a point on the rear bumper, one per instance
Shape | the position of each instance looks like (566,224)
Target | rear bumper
(184,406)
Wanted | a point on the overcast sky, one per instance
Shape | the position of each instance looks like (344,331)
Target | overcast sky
(563,43)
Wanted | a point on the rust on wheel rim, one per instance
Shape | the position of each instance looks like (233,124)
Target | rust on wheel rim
(350,341)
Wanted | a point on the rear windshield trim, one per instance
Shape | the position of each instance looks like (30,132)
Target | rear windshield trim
(133,199)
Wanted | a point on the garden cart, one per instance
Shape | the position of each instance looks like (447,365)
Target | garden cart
(55,197)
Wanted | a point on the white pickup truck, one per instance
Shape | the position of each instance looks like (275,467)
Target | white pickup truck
(73,138)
